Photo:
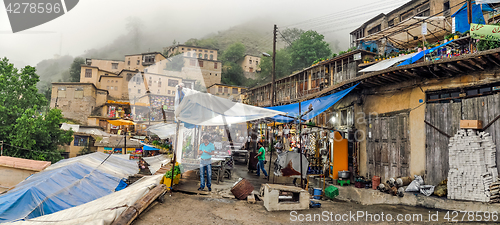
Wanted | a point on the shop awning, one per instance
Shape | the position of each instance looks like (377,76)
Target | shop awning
(319,105)
(386,63)
(419,55)
(121,122)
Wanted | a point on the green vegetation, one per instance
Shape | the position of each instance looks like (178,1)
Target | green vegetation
(175,63)
(24,124)
(74,71)
(309,47)
(232,73)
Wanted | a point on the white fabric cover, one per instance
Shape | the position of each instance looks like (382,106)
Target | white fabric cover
(386,63)
(208,110)
(163,130)
(100,211)
(156,162)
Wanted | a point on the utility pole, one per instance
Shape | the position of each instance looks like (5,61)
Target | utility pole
(273,77)
(469,11)
(273,68)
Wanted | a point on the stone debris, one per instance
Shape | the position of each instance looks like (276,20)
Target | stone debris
(472,159)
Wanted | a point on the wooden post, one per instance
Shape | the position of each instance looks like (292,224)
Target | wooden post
(469,11)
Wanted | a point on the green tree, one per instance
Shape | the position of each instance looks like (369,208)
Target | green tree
(232,73)
(23,125)
(308,48)
(291,34)
(75,69)
(234,53)
(283,66)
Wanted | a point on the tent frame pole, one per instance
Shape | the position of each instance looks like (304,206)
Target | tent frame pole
(300,144)
(175,155)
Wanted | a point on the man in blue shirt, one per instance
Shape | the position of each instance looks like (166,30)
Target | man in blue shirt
(206,151)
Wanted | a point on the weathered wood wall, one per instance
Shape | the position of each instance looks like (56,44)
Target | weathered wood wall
(446,117)
(388,149)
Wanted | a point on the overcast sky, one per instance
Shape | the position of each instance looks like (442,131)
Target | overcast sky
(96,23)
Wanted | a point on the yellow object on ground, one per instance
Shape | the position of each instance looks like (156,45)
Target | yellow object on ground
(121,122)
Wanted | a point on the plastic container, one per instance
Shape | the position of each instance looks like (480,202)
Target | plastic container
(375,182)
(317,193)
(331,192)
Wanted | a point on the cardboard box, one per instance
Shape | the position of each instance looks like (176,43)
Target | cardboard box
(471,124)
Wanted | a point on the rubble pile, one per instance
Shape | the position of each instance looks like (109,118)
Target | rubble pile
(473,169)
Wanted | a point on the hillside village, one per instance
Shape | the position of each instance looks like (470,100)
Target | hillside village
(407,115)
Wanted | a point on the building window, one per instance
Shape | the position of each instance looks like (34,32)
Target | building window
(374,30)
(200,50)
(189,54)
(107,87)
(250,69)
(235,90)
(108,81)
(206,56)
(128,62)
(250,61)
(256,62)
(220,90)
(88,72)
(138,61)
(182,48)
(61,92)
(200,55)
(79,92)
(158,92)
(159,83)
(129,90)
(211,57)
(206,50)
(226,90)
(116,88)
(215,65)
(211,51)
(200,63)
(446,8)
(114,66)
(112,81)
(172,83)
(391,22)
(192,62)
(80,141)
(189,49)
(138,91)
(168,92)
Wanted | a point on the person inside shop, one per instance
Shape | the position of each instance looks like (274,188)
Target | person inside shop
(279,147)
(262,158)
(206,151)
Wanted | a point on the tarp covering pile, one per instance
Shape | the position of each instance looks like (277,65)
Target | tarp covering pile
(163,130)
(419,55)
(101,211)
(86,130)
(65,184)
(462,22)
(156,162)
(319,105)
(205,109)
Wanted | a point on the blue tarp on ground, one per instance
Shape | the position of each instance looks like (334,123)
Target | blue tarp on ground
(319,105)
(67,184)
(462,23)
(419,55)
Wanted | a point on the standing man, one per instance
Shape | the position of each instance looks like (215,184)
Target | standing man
(262,157)
(206,151)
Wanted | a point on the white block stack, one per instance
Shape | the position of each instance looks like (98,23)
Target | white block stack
(472,158)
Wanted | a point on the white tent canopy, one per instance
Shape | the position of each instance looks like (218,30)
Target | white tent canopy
(205,109)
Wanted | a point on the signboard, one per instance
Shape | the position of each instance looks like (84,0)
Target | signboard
(485,32)
(424,28)
(357,56)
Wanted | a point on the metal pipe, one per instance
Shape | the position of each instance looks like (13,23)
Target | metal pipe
(300,144)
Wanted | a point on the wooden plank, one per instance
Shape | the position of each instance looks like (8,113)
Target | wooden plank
(128,216)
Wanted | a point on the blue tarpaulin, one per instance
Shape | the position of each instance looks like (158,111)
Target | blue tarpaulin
(319,105)
(419,55)
(462,23)
(63,185)
(149,148)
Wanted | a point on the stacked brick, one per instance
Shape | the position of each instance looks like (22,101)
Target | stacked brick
(472,158)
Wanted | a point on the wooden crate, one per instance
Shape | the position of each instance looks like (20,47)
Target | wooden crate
(471,124)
